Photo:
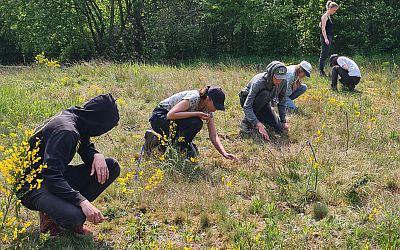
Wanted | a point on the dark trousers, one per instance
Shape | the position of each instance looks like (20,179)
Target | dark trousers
(263,110)
(324,51)
(62,212)
(346,80)
(186,128)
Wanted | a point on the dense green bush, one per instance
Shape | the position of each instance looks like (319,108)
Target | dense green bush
(168,31)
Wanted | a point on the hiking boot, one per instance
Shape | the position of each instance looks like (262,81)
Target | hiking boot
(47,225)
(322,73)
(82,231)
(334,88)
(245,127)
(151,141)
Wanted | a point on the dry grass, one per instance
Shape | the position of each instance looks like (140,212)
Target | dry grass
(259,202)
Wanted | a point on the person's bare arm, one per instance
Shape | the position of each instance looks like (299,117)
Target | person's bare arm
(324,19)
(180,111)
(217,142)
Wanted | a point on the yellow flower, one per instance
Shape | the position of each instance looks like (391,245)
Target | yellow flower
(5,239)
(194,159)
(2,148)
(170,245)
(229,184)
(189,238)
(316,165)
(39,183)
(15,234)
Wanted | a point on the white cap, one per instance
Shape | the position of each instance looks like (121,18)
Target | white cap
(306,67)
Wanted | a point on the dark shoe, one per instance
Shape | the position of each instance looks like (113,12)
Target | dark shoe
(334,88)
(82,231)
(192,150)
(47,225)
(322,73)
(245,126)
(151,141)
(351,87)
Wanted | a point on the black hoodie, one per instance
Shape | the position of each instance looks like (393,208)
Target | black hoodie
(68,133)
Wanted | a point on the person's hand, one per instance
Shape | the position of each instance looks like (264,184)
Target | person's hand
(285,126)
(296,85)
(262,131)
(91,212)
(230,157)
(203,116)
(99,166)
(326,41)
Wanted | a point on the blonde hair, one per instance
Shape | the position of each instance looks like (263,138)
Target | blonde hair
(331,4)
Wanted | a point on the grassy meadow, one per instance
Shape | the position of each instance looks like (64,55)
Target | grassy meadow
(263,201)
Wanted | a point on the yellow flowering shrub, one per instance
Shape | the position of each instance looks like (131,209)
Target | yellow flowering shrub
(17,177)
(42,60)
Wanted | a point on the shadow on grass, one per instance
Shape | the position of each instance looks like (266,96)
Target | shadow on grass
(347,92)
(66,240)
(275,140)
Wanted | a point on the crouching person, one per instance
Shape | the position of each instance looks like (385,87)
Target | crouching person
(295,87)
(257,98)
(346,69)
(64,200)
(187,110)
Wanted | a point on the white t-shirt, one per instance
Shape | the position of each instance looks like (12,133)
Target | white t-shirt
(193,96)
(353,68)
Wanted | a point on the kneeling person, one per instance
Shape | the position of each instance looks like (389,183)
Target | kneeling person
(64,200)
(188,110)
(347,69)
(257,97)
(295,87)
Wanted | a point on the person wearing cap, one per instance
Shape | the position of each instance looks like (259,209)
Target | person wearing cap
(347,69)
(294,78)
(188,110)
(257,98)
(64,200)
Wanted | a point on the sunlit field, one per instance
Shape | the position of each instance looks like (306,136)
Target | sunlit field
(279,195)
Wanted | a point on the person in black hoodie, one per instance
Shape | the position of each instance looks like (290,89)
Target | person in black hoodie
(64,200)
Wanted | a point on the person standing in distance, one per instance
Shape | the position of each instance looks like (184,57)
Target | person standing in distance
(326,35)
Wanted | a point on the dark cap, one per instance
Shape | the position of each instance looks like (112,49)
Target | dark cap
(280,72)
(332,58)
(217,96)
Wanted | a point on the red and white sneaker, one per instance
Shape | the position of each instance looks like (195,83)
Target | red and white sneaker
(47,225)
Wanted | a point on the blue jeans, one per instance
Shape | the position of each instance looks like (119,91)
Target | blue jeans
(288,100)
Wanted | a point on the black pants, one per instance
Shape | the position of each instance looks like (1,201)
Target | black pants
(324,51)
(186,128)
(263,110)
(346,80)
(63,212)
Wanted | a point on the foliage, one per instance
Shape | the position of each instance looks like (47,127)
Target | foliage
(167,31)
(17,177)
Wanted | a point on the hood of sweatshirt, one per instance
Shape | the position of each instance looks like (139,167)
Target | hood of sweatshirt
(271,67)
(98,116)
